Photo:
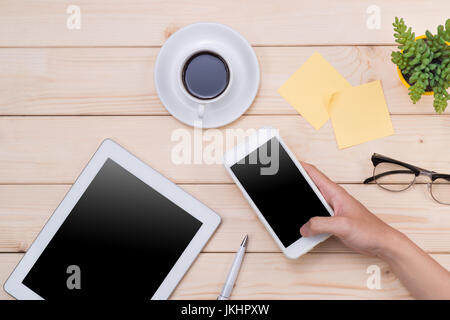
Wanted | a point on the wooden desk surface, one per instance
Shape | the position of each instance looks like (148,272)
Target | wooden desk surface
(63,91)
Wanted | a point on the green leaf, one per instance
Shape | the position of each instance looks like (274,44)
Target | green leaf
(424,62)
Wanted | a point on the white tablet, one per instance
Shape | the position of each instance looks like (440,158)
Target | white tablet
(122,231)
(278,188)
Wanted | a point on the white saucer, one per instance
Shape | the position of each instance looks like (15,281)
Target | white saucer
(240,57)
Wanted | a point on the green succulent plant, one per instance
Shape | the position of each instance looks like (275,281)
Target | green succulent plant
(424,63)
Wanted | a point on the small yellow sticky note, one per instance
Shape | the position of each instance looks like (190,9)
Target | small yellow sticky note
(309,89)
(360,114)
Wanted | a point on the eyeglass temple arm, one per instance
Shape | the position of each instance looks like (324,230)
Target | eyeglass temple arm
(441,176)
(378,158)
(387,173)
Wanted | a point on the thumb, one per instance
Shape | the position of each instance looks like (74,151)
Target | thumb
(338,226)
(328,188)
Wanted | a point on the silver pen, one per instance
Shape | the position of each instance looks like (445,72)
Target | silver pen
(232,275)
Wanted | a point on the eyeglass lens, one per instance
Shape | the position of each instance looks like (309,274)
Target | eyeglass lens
(393,177)
(440,190)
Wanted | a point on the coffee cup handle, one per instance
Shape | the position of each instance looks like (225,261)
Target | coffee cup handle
(201,111)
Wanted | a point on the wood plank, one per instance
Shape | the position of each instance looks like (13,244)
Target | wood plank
(272,276)
(24,209)
(263,22)
(119,81)
(55,149)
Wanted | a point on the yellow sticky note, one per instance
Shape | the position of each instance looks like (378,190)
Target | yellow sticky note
(360,114)
(309,89)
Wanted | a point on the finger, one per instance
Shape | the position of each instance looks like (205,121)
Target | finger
(337,226)
(327,187)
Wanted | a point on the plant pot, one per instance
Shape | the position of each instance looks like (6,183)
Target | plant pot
(402,78)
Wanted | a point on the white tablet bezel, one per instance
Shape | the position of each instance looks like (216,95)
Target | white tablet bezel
(240,151)
(111,150)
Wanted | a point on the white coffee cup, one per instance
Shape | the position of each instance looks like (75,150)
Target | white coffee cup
(202,103)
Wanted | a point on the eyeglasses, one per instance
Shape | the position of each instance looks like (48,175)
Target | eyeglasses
(394,175)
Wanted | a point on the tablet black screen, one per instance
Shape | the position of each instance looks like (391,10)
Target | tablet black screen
(120,241)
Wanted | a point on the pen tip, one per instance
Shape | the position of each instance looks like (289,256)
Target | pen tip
(244,242)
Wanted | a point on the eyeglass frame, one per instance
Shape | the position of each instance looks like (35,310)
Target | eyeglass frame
(378,158)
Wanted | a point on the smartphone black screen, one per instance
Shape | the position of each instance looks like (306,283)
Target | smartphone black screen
(279,190)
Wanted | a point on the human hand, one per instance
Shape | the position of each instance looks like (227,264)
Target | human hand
(362,231)
(352,223)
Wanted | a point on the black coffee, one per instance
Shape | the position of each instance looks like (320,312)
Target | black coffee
(206,75)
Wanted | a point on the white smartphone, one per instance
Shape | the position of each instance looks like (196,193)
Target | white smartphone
(278,188)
